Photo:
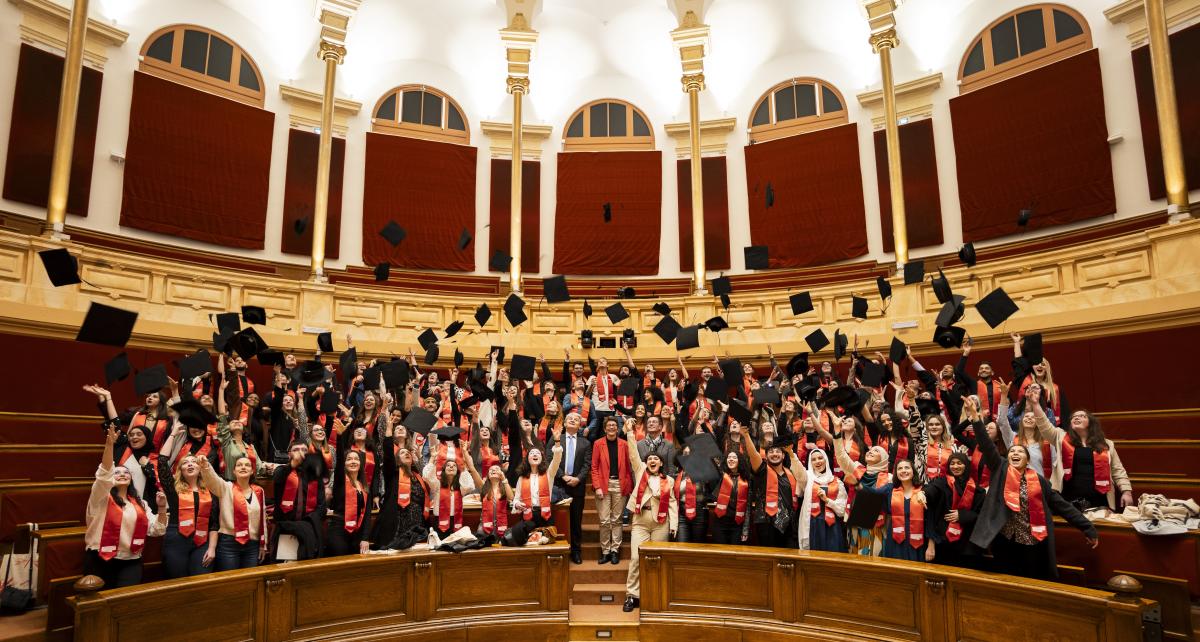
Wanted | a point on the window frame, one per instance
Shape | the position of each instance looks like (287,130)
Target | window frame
(440,134)
(589,143)
(774,130)
(176,72)
(1052,52)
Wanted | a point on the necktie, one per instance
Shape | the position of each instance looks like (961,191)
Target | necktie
(571,455)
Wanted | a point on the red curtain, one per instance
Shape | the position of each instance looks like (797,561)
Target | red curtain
(1035,140)
(631,182)
(299,192)
(31,134)
(197,165)
(428,188)
(818,214)
(531,203)
(716,213)
(1185,61)
(922,201)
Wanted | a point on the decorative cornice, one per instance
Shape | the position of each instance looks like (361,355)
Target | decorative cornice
(306,109)
(500,139)
(914,99)
(45,23)
(1180,15)
(334,16)
(714,137)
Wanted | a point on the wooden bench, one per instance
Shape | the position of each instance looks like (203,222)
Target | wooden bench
(22,428)
(1171,593)
(1123,549)
(1173,486)
(1183,423)
(22,502)
(1160,457)
(45,463)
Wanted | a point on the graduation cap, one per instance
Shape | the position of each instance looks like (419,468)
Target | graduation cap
(817,340)
(616,313)
(421,421)
(310,374)
(722,285)
(325,342)
(383,271)
(914,272)
(371,378)
(716,389)
(393,233)
(770,196)
(739,412)
(801,303)
(662,308)
(395,374)
(458,358)
(427,339)
(667,329)
(628,387)
(884,287)
(926,407)
(807,391)
(247,343)
(221,342)
(587,309)
(840,343)
(766,395)
(329,400)
(480,390)
(555,288)
(608,212)
(996,307)
(941,287)
(797,365)
(1031,348)
(514,310)
(116,369)
(228,323)
(431,355)
(967,254)
(716,324)
(464,239)
(858,307)
(270,358)
(687,338)
(840,396)
(731,370)
(447,433)
(1023,216)
(756,257)
(898,351)
(952,311)
(703,446)
(725,301)
(951,337)
(193,415)
(482,314)
(254,314)
(106,325)
(150,380)
(300,225)
(453,328)
(196,365)
(865,511)
(61,267)
(699,469)
(522,367)
(499,350)
(872,374)
(500,261)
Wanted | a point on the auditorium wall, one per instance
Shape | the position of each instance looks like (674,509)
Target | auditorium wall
(583,54)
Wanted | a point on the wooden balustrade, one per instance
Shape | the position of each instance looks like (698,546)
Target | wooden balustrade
(729,593)
(492,594)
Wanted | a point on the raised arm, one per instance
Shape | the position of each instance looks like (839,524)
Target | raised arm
(104,399)
(212,482)
(634,456)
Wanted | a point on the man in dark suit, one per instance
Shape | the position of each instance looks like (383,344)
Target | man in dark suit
(569,480)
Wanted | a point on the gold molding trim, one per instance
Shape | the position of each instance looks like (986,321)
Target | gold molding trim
(1180,14)
(1173,412)
(500,139)
(45,23)
(306,109)
(914,99)
(48,417)
(714,137)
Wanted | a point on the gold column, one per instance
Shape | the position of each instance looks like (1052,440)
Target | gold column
(332,54)
(1167,110)
(882,43)
(693,84)
(517,87)
(64,133)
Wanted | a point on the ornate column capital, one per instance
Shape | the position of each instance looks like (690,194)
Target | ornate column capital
(331,51)
(884,39)
(692,82)
(517,85)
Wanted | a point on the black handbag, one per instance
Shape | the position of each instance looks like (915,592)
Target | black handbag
(14,601)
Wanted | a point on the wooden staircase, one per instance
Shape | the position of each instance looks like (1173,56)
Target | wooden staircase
(598,590)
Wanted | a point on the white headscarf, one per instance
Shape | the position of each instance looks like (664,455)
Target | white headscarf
(824,478)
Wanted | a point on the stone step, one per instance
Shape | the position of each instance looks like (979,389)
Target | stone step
(604,594)
(607,623)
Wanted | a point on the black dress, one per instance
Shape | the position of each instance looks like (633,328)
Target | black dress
(398,527)
(938,494)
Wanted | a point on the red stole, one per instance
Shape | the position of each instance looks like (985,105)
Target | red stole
(687,497)
(665,488)
(603,386)
(853,451)
(901,448)
(352,511)
(582,406)
(193,517)
(983,474)
(916,519)
(831,492)
(743,492)
(368,463)
(445,451)
(291,486)
(772,495)
(114,517)
(158,432)
(404,490)
(1101,472)
(449,501)
(494,516)
(747,383)
(487,459)
(989,393)
(937,457)
(543,496)
(241,513)
(648,382)
(187,450)
(1033,490)
(960,503)
(809,446)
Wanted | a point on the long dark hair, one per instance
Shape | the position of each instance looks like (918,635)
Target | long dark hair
(362,466)
(1095,434)
(743,468)
(130,492)
(524,468)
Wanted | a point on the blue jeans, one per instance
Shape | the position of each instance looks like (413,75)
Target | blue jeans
(181,556)
(231,555)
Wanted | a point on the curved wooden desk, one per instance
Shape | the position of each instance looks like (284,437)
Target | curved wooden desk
(493,594)
(699,592)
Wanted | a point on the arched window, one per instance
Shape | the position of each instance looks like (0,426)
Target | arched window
(421,111)
(1025,39)
(608,124)
(796,106)
(203,59)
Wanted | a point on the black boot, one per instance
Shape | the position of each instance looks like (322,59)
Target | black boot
(603,557)
(576,557)
(631,603)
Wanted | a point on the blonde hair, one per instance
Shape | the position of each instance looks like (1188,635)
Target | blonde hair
(181,485)
(1048,383)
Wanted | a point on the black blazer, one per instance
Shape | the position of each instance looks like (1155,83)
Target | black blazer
(582,464)
(938,494)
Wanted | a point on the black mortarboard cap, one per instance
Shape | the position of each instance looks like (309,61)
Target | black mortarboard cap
(555,289)
(228,323)
(716,324)
(499,350)
(996,307)
(885,288)
(941,287)
(222,343)
(61,267)
(806,391)
(458,358)
(873,374)
(731,370)
(865,511)
(116,369)
(716,389)
(300,225)
(667,328)
(393,233)
(106,325)
(756,257)
(797,365)
(687,338)
(395,374)
(500,261)
(383,271)
(766,395)
(914,272)
(329,400)
(740,412)
(195,365)
(270,358)
(193,414)
(725,301)
(371,377)
(587,309)
(325,342)
(464,239)
(248,343)
(607,212)
(419,420)
(616,313)
(722,285)
(770,196)
(840,343)
(628,387)
(522,367)
(951,337)
(898,350)
(952,311)
(927,407)
(514,310)
(1031,348)
(1023,217)
(453,328)
(662,308)
(447,433)
(310,374)
(150,380)
(482,314)
(254,314)
(427,339)
(967,254)
(699,469)
(840,396)
(817,340)
(431,355)
(801,303)
(704,446)
(858,307)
